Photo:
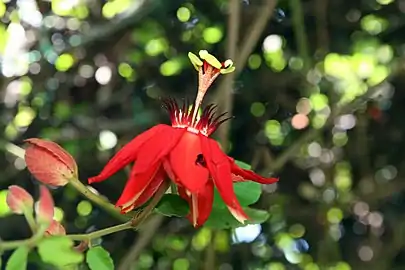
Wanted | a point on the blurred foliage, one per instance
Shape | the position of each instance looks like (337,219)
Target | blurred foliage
(89,75)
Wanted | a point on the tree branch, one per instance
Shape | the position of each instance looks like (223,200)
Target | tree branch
(233,30)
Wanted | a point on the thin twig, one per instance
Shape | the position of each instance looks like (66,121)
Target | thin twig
(321,11)
(300,33)
(232,43)
(210,252)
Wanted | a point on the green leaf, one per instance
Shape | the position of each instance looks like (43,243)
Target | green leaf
(99,259)
(222,219)
(256,216)
(18,260)
(243,165)
(247,193)
(172,205)
(58,251)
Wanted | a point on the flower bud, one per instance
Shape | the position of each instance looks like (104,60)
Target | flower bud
(49,162)
(55,229)
(45,207)
(19,200)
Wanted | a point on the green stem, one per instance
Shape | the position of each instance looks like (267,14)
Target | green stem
(101,233)
(29,217)
(26,242)
(96,199)
(132,224)
(152,204)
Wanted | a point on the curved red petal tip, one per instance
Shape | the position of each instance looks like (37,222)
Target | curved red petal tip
(19,200)
(239,174)
(238,214)
(45,208)
(128,153)
(94,179)
(124,210)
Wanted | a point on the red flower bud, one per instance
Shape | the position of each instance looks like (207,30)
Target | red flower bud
(55,229)
(19,200)
(45,207)
(49,162)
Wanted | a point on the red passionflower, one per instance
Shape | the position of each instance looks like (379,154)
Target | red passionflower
(184,153)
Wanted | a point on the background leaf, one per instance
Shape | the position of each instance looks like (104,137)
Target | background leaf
(99,259)
(222,219)
(247,193)
(172,205)
(58,251)
(18,260)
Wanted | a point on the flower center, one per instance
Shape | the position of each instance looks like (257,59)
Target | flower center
(183,117)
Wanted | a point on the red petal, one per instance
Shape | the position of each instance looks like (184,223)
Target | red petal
(151,189)
(249,175)
(200,210)
(182,158)
(157,148)
(45,209)
(140,187)
(220,170)
(128,153)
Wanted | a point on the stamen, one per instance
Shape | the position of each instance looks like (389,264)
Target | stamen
(182,117)
(194,203)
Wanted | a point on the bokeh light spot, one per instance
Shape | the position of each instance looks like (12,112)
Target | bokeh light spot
(272,43)
(108,139)
(84,208)
(125,70)
(64,62)
(170,68)
(181,264)
(58,214)
(254,61)
(304,106)
(257,109)
(4,209)
(212,35)
(103,75)
(334,215)
(299,121)
(247,234)
(155,47)
(183,14)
